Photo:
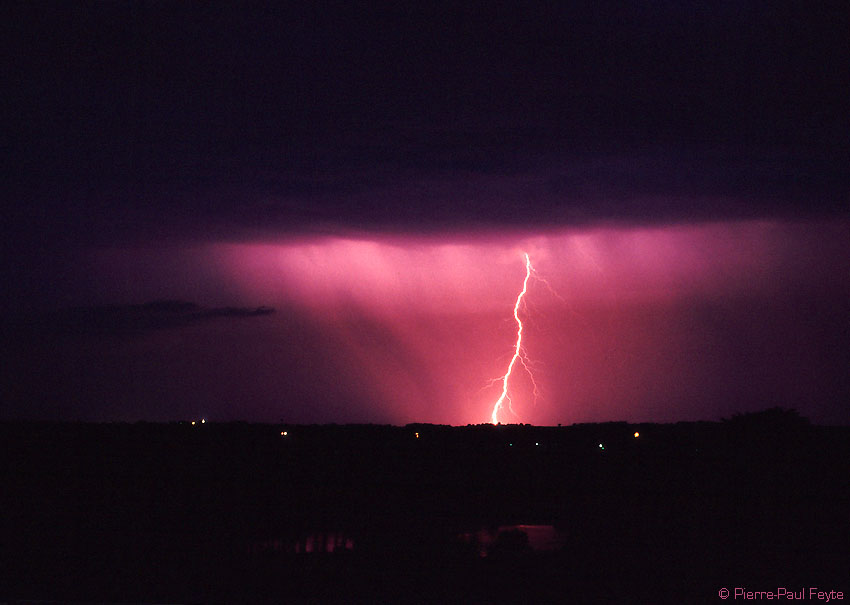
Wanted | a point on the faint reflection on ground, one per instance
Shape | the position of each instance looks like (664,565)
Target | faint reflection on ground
(514,538)
(317,542)
(502,539)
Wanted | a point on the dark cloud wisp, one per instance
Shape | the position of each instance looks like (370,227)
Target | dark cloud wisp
(105,320)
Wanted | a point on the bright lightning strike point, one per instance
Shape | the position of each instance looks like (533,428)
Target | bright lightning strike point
(519,353)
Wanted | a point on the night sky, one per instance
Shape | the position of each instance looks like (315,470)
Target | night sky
(319,212)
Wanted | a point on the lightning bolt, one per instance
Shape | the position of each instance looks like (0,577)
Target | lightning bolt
(519,353)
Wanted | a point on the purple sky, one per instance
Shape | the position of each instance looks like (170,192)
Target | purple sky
(677,175)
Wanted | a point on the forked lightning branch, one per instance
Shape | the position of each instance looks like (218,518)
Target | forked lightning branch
(519,355)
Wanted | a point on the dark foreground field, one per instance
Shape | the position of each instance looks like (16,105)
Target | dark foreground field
(241,513)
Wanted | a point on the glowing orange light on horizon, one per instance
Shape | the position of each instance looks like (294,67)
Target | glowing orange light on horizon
(637,434)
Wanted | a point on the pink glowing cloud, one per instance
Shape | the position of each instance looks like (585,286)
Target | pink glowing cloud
(649,323)
(446,275)
(428,320)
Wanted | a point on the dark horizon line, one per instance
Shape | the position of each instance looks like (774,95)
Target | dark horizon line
(765,415)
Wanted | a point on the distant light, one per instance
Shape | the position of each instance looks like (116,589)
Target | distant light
(637,434)
(203,420)
(417,435)
(536,444)
(193,423)
(511,444)
(283,433)
(602,447)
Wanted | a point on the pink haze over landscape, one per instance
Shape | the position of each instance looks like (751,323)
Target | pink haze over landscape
(637,323)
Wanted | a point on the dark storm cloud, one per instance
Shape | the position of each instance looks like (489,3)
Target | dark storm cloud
(139,122)
(108,320)
(418,186)
(462,188)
